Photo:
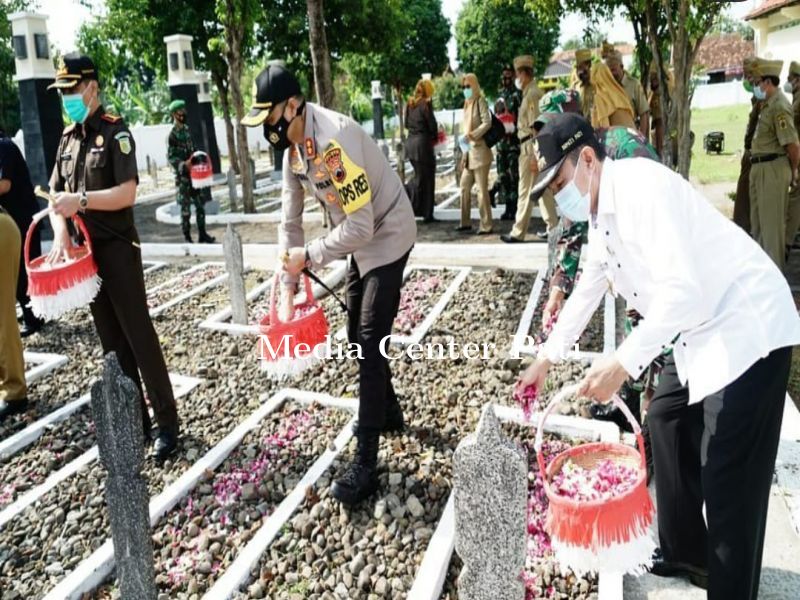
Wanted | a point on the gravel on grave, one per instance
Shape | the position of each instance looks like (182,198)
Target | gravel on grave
(442,400)
(592,339)
(198,539)
(187,282)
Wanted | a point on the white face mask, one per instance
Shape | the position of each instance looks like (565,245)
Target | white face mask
(518,83)
(572,203)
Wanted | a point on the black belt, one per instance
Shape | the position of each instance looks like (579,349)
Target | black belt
(764,158)
(526,138)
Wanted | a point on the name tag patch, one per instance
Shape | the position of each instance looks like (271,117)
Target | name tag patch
(349,179)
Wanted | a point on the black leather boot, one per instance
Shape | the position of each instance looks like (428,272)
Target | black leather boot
(394,420)
(187,237)
(9,408)
(204,238)
(360,480)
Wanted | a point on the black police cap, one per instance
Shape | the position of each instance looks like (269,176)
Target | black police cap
(72,69)
(273,85)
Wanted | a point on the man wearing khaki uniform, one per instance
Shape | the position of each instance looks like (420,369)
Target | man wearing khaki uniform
(583,84)
(634,91)
(775,157)
(793,212)
(331,158)
(528,113)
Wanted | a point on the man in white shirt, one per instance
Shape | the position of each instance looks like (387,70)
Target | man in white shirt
(705,286)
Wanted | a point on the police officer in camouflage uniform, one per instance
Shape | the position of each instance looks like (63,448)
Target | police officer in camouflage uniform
(179,154)
(508,148)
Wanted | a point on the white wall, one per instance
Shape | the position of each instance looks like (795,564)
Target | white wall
(720,94)
(783,45)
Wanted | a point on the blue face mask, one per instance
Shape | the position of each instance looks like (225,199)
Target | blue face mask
(571,203)
(75,107)
(759,93)
(468,93)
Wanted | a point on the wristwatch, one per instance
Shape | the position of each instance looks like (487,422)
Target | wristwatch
(83,202)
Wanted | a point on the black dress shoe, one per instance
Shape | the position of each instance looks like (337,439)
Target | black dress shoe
(188,238)
(507,217)
(430,220)
(12,407)
(30,327)
(165,446)
(509,239)
(360,480)
(698,576)
(463,228)
(394,421)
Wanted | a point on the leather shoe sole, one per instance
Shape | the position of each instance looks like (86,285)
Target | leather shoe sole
(697,575)
(350,496)
(510,239)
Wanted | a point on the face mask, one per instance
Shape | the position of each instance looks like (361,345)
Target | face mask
(759,93)
(467,93)
(748,86)
(518,83)
(506,81)
(278,134)
(572,204)
(788,87)
(75,107)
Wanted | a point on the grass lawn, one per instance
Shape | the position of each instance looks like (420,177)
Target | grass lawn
(722,168)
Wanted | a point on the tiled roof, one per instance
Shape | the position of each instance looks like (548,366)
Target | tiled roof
(768,7)
(569,55)
(723,53)
(558,68)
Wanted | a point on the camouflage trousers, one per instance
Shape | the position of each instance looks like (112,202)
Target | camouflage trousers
(638,393)
(187,195)
(508,177)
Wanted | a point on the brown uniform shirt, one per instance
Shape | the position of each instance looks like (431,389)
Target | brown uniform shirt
(636,94)
(97,155)
(752,121)
(775,128)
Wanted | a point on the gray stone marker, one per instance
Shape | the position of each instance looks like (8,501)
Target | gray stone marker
(118,419)
(490,487)
(234,265)
(232,196)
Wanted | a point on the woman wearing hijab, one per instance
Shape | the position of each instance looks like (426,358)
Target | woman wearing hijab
(422,132)
(611,104)
(477,155)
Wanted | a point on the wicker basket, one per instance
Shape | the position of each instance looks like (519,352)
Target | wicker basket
(279,342)
(600,535)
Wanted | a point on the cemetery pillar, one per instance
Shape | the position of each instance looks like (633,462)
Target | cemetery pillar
(40,109)
(206,110)
(377,111)
(183,84)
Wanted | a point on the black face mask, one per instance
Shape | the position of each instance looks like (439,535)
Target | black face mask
(180,117)
(508,82)
(278,134)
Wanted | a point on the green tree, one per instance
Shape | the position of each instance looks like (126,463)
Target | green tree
(420,47)
(447,92)
(490,33)
(727,24)
(9,92)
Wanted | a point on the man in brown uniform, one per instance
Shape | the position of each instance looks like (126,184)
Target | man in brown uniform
(528,112)
(95,173)
(775,158)
(634,91)
(741,206)
(793,213)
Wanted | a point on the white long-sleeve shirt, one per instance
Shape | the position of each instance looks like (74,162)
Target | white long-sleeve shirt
(696,277)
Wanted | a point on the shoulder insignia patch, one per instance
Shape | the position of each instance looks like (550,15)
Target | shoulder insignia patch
(349,179)
(783,122)
(111,118)
(124,140)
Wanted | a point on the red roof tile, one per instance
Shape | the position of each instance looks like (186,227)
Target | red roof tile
(769,6)
(723,53)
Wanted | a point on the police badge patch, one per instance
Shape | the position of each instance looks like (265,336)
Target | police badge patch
(124,141)
(333,161)
(274,138)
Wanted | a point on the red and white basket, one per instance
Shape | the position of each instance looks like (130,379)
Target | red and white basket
(201,173)
(606,535)
(287,348)
(59,287)
(440,145)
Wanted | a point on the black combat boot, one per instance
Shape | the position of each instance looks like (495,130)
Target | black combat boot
(360,480)
(204,238)
(187,236)
(394,420)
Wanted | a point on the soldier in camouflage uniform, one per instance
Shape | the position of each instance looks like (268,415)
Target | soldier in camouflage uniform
(508,148)
(179,154)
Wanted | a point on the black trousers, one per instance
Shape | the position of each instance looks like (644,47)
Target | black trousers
(123,323)
(22,280)
(372,303)
(722,452)
(422,188)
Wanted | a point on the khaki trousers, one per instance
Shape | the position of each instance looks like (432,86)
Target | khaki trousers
(769,197)
(468,179)
(524,206)
(12,365)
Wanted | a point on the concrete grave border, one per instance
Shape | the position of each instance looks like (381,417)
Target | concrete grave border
(25,437)
(149,266)
(157,310)
(181,385)
(432,571)
(45,362)
(92,571)
(219,321)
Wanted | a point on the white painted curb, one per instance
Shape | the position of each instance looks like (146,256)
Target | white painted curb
(45,363)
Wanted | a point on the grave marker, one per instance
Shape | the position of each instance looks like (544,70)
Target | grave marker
(234,264)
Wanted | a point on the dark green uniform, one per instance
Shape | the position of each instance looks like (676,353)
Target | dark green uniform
(98,155)
(508,155)
(180,149)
